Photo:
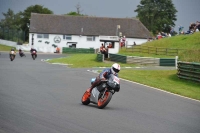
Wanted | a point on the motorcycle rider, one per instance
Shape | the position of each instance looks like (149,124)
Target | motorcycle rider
(21,53)
(12,49)
(32,49)
(115,68)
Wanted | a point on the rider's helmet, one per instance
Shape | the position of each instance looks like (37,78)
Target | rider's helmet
(115,68)
(20,50)
(12,49)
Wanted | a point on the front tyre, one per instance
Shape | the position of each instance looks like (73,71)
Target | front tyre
(33,57)
(12,57)
(85,98)
(103,101)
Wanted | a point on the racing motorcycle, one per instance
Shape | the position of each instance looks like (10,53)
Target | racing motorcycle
(102,93)
(34,55)
(12,55)
(21,54)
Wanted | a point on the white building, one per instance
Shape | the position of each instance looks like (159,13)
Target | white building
(47,30)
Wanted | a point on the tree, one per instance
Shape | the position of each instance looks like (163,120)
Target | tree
(11,20)
(157,15)
(25,21)
(78,11)
(78,7)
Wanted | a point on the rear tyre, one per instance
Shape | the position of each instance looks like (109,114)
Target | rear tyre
(86,98)
(102,102)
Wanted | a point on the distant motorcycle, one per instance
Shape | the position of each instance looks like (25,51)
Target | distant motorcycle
(102,94)
(34,55)
(12,55)
(21,54)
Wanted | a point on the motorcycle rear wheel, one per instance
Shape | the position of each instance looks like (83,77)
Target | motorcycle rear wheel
(102,102)
(86,98)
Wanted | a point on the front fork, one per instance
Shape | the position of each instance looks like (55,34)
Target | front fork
(113,92)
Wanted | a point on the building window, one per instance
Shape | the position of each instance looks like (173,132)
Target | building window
(67,37)
(90,38)
(46,36)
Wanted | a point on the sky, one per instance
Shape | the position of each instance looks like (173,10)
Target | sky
(188,10)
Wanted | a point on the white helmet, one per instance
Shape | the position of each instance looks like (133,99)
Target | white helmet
(115,68)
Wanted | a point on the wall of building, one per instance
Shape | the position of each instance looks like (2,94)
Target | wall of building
(45,44)
(80,40)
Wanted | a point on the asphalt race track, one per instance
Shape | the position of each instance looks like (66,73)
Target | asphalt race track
(38,97)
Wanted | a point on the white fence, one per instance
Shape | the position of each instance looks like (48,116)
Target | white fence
(27,47)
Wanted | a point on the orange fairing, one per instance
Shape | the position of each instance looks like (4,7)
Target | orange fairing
(86,96)
(102,101)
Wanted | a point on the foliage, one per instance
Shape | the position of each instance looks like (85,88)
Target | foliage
(74,14)
(11,21)
(21,20)
(157,15)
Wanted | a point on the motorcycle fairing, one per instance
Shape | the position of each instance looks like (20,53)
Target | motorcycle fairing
(94,95)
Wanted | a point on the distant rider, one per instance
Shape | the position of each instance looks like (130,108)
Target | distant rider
(21,53)
(14,53)
(32,49)
(115,68)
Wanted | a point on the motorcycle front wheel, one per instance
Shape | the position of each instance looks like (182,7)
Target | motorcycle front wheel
(103,101)
(34,57)
(12,57)
(85,98)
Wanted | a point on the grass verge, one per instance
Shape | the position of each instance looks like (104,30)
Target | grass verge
(5,48)
(164,80)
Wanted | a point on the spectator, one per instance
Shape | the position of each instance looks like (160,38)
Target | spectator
(159,36)
(134,43)
(124,41)
(110,45)
(180,29)
(103,49)
(163,34)
(172,31)
(57,50)
(169,35)
(121,42)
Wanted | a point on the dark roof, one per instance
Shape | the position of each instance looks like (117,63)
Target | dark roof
(73,25)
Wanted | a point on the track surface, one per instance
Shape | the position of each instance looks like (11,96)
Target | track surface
(37,97)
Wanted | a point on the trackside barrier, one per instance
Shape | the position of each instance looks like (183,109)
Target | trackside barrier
(77,50)
(189,71)
(167,62)
(100,57)
(118,58)
(142,60)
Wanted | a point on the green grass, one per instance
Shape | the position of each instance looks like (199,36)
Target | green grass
(190,44)
(83,60)
(5,48)
(164,80)
(181,41)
